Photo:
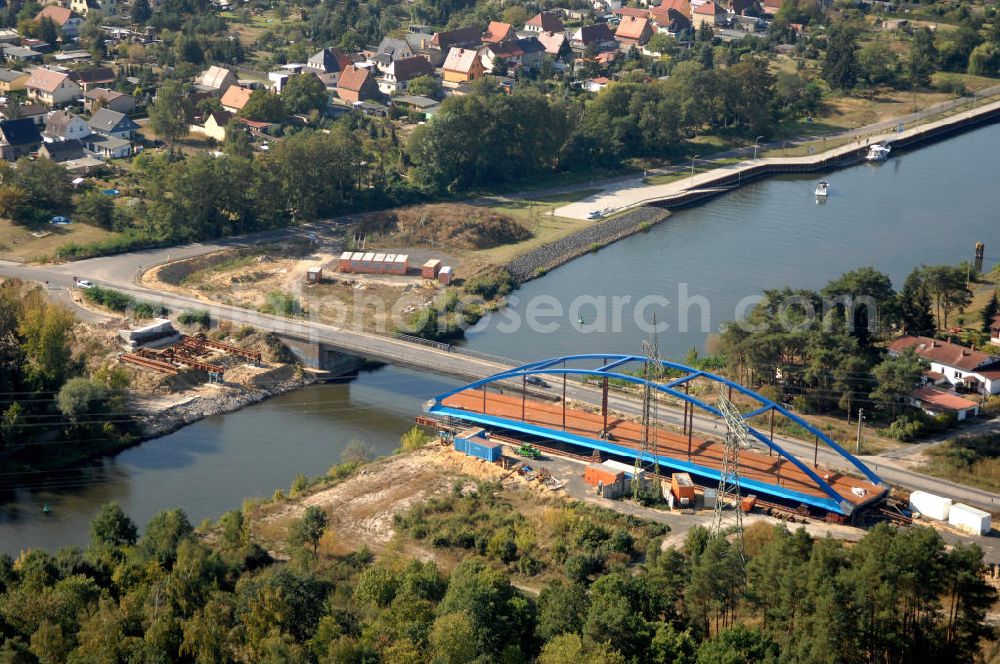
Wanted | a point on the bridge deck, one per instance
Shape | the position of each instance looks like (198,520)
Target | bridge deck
(754,465)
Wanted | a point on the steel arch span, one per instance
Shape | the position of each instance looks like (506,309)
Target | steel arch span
(835,496)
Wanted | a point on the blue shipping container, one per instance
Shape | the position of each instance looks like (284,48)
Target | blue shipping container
(483,450)
(461,444)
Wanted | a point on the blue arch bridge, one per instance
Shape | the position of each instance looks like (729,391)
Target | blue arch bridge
(522,403)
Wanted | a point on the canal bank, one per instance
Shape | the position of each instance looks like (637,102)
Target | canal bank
(687,191)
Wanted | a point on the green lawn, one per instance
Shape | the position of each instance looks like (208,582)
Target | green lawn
(18,244)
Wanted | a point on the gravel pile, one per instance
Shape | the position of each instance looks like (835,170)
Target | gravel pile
(554,254)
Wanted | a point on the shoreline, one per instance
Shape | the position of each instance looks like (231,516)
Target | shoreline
(173,418)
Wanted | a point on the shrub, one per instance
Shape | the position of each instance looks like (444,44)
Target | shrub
(118,301)
(194,317)
(491,284)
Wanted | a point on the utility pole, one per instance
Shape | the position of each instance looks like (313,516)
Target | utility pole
(861,418)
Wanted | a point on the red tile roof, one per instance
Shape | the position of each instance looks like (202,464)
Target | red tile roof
(58,14)
(943,352)
(46,79)
(633,28)
(236,97)
(637,12)
(708,9)
(943,399)
(497,31)
(354,78)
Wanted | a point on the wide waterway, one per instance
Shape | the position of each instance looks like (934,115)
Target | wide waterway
(927,206)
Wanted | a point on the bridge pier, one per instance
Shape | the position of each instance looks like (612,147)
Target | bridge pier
(315,355)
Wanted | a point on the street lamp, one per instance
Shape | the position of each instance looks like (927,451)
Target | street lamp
(692,167)
(756,143)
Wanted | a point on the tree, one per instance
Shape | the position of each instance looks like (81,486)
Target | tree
(661,43)
(990,312)
(95,209)
(571,649)
(166,115)
(81,399)
(427,86)
(303,93)
(739,644)
(44,330)
(310,528)
(878,64)
(896,377)
(164,532)
(867,299)
(840,67)
(923,58)
(264,106)
(984,60)
(112,527)
(140,11)
(238,142)
(48,31)
(948,285)
(914,306)
(562,609)
(16,203)
(453,639)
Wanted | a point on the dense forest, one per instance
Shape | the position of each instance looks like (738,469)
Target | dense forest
(214,596)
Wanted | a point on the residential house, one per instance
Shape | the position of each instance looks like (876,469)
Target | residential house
(462,65)
(964,368)
(60,151)
(633,31)
(524,53)
(400,72)
(596,84)
(34,112)
(20,54)
(65,126)
(498,31)
(739,7)
(682,6)
(216,79)
(544,22)
(9,36)
(394,49)
(357,84)
(329,61)
(771,7)
(108,147)
(104,98)
(258,128)
(598,37)
(37,45)
(18,138)
(213,126)
(112,123)
(556,44)
(670,21)
(709,14)
(52,88)
(69,24)
(235,98)
(105,7)
(95,77)
(11,80)
(935,401)
(995,331)
(460,38)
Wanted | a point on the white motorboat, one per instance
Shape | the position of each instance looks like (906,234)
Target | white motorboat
(822,189)
(878,152)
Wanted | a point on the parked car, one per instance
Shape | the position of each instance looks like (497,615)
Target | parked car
(84,283)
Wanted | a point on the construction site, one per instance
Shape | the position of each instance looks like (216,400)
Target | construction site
(176,352)
(723,453)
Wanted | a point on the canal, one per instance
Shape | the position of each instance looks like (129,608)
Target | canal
(927,206)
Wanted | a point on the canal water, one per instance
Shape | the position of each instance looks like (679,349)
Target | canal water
(928,206)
